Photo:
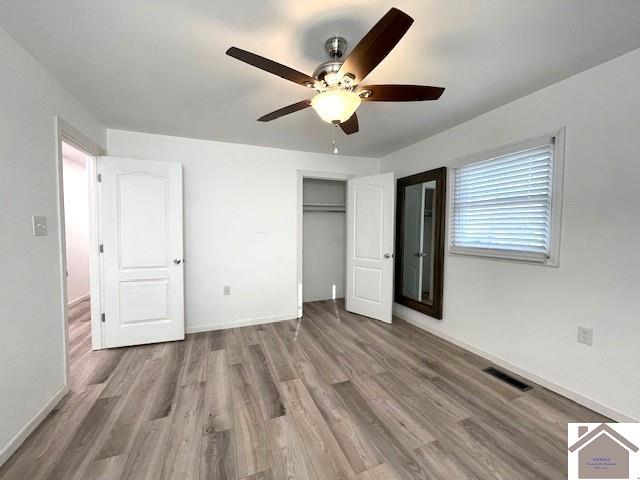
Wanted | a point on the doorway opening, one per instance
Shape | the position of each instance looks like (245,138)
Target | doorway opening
(323,239)
(77,233)
(76,158)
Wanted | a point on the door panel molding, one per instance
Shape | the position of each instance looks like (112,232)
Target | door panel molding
(363,226)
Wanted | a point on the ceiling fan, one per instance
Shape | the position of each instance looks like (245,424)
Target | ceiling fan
(337,81)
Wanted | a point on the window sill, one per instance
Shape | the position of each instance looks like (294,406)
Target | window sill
(517,257)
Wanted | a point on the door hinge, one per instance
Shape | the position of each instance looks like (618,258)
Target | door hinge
(101,248)
(103,318)
(99,178)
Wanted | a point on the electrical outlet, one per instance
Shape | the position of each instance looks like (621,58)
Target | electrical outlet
(585,335)
(226,290)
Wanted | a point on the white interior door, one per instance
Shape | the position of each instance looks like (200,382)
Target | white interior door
(370,208)
(140,212)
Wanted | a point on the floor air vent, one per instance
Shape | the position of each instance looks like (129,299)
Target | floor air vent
(505,377)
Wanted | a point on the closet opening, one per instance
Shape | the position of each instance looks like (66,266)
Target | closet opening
(323,240)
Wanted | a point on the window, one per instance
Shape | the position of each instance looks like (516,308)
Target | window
(506,203)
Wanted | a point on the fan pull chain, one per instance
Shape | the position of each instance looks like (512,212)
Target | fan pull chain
(333,139)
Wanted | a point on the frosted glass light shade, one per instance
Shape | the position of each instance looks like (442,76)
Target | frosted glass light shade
(335,105)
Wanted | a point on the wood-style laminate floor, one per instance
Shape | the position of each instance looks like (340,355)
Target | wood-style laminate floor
(331,396)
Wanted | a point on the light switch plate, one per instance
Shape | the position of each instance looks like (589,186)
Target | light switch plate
(39,225)
(226,290)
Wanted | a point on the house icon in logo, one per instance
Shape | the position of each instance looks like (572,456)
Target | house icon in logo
(602,453)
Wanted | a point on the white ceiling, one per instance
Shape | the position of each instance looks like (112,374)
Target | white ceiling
(159,65)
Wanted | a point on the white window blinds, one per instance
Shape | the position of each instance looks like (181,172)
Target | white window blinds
(502,206)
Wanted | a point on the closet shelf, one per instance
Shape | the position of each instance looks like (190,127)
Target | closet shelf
(323,207)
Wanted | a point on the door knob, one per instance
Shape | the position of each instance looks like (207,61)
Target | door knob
(177,261)
(387,255)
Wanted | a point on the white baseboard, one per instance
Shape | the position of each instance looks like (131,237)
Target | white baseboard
(78,300)
(554,387)
(22,435)
(240,323)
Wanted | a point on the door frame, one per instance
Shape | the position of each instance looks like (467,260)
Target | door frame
(319,175)
(66,133)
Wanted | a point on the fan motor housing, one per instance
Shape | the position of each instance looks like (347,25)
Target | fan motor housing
(330,66)
(336,48)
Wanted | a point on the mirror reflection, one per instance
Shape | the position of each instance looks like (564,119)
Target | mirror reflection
(418,242)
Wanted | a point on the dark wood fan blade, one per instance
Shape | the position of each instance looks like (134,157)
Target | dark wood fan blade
(285,111)
(272,67)
(376,44)
(399,93)
(351,125)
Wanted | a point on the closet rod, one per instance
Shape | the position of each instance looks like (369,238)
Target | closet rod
(324,210)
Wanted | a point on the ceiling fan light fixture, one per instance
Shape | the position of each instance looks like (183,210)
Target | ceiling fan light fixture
(336,105)
(338,80)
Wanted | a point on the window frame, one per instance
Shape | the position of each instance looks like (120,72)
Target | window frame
(557,139)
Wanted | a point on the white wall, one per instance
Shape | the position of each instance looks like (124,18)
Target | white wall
(240,213)
(31,344)
(528,315)
(76,222)
(324,255)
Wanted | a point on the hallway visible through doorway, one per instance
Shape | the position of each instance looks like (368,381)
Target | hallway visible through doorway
(76,219)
